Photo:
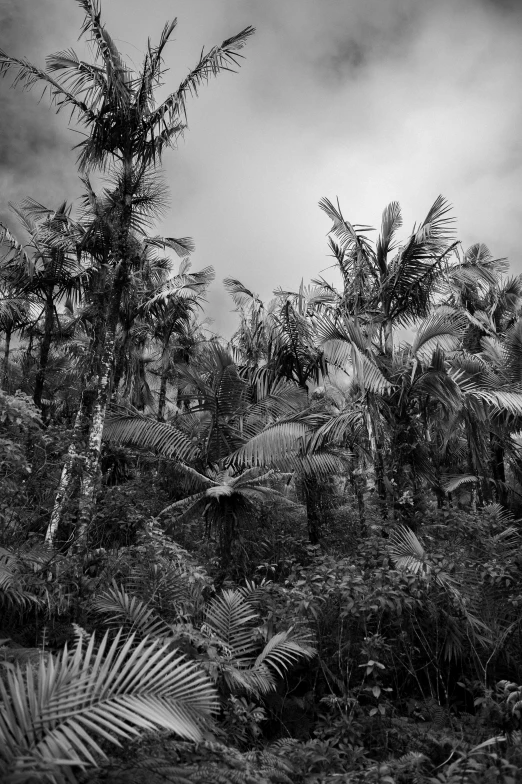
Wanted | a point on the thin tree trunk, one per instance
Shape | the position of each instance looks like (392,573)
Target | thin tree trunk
(120,364)
(388,337)
(104,342)
(91,463)
(162,395)
(377,450)
(5,363)
(314,508)
(498,469)
(74,454)
(44,350)
(92,460)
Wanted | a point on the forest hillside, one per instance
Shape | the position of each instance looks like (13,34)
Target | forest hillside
(292,554)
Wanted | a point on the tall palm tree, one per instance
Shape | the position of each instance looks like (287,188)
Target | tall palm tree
(126,133)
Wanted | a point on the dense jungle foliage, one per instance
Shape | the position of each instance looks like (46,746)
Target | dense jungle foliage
(291,556)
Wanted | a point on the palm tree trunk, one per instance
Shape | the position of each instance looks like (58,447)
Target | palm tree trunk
(498,469)
(90,468)
(44,350)
(5,363)
(377,450)
(76,452)
(162,396)
(314,509)
(72,457)
(104,341)
(120,364)
(388,337)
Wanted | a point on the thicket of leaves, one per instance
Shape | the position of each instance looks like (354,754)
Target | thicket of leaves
(293,555)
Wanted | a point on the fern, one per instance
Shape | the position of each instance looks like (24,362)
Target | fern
(246,665)
(129,612)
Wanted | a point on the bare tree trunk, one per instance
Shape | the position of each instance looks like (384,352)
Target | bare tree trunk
(91,463)
(73,456)
(388,337)
(44,350)
(120,363)
(5,363)
(162,395)
(76,452)
(377,450)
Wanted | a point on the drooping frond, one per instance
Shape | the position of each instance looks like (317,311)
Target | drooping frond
(499,399)
(274,443)
(460,481)
(27,75)
(183,246)
(282,652)
(137,430)
(406,550)
(240,294)
(440,331)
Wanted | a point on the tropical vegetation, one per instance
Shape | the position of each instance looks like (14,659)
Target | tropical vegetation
(288,555)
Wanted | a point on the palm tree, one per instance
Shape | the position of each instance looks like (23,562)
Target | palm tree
(47,270)
(223,412)
(15,308)
(170,307)
(224,498)
(13,316)
(389,283)
(126,134)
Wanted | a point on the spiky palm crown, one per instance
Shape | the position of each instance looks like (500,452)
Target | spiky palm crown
(117,106)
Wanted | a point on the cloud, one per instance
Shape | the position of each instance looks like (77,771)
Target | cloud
(34,149)
(363,99)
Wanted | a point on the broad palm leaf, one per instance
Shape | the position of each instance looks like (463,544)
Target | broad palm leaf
(110,692)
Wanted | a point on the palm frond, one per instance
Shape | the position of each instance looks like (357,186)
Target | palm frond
(232,619)
(111,692)
(391,221)
(172,110)
(274,443)
(284,650)
(460,481)
(27,75)
(135,429)
(439,331)
(127,611)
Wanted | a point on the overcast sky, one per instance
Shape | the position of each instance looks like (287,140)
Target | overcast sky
(366,100)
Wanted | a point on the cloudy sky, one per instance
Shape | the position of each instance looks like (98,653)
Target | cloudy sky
(366,100)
